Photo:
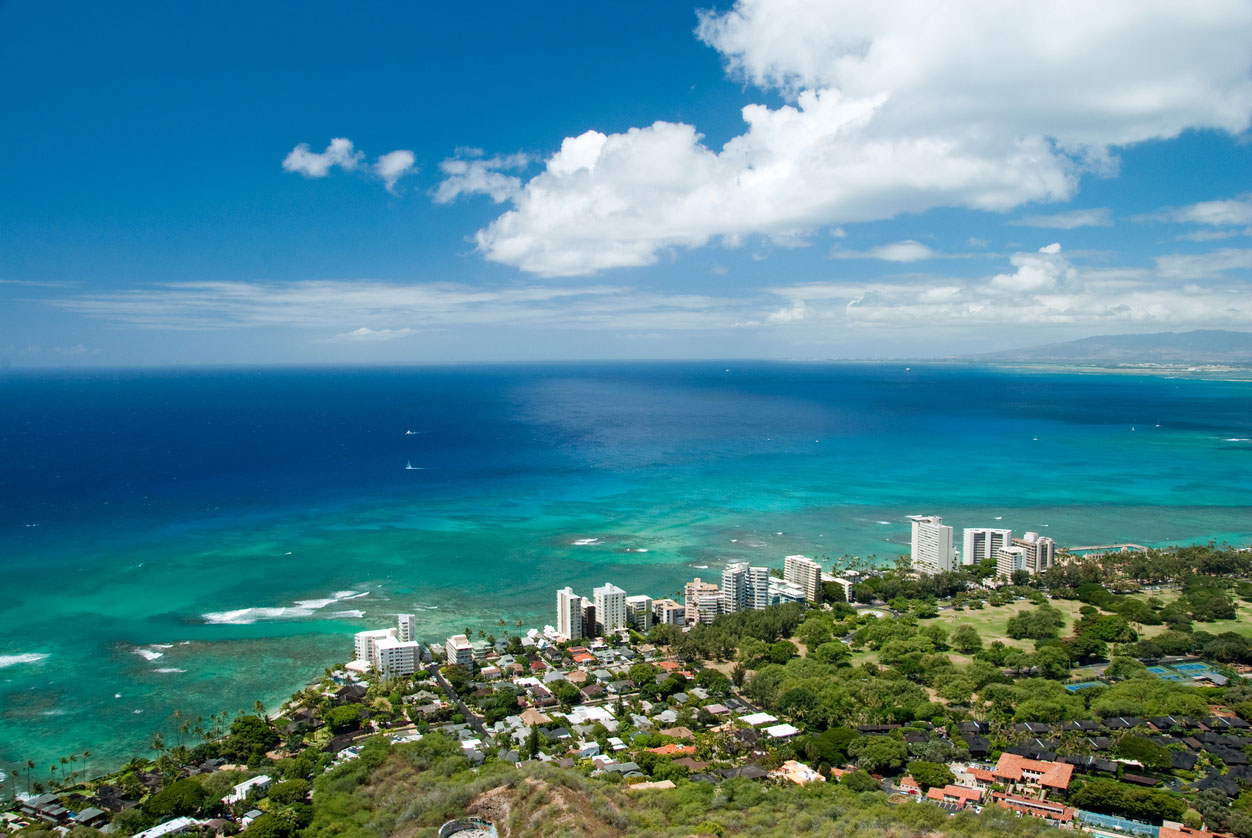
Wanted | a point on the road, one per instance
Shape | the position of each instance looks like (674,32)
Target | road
(470,717)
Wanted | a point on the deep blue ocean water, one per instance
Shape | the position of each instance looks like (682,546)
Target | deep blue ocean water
(192,541)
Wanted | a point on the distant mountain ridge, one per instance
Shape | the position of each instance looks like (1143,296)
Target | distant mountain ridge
(1213,346)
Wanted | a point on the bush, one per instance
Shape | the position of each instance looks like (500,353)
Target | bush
(292,791)
(859,781)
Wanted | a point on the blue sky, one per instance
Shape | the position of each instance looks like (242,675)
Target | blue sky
(306,183)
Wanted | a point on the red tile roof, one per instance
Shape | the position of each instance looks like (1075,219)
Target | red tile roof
(1013,768)
(1187,832)
(982,775)
(1038,808)
(673,750)
(955,794)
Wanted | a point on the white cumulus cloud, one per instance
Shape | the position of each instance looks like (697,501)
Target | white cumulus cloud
(480,176)
(390,167)
(892,107)
(1041,271)
(310,164)
(394,165)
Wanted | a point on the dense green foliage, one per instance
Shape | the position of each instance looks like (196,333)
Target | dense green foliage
(249,736)
(181,797)
(1118,799)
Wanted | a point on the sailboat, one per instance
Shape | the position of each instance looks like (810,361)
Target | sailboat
(408,466)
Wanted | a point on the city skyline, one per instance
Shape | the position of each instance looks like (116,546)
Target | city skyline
(279,185)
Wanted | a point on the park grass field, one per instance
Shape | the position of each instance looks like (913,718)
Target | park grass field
(1242,624)
(991,622)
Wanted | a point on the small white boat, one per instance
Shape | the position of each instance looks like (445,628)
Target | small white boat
(408,466)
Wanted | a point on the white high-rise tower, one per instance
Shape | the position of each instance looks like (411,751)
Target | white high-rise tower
(983,542)
(932,544)
(610,603)
(569,614)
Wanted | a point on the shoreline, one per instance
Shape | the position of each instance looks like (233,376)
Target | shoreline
(510,629)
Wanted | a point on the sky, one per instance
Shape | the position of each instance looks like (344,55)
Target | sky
(273,183)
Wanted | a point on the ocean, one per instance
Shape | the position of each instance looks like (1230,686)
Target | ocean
(189,542)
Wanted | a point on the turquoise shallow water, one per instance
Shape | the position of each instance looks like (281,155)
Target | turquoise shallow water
(212,518)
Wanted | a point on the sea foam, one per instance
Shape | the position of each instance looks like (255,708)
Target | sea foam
(302,608)
(14,660)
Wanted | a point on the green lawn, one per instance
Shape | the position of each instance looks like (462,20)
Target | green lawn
(991,622)
(1242,624)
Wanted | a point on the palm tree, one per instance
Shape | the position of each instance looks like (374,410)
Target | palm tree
(52,775)
(158,743)
(30,767)
(259,708)
(87,763)
(64,762)
(74,771)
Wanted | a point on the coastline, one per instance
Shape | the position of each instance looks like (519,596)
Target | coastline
(697,466)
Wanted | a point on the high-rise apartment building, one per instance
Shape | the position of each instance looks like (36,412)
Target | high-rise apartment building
(692,592)
(639,612)
(591,626)
(745,588)
(407,627)
(569,614)
(364,641)
(710,605)
(1040,551)
(610,607)
(803,571)
(459,651)
(1010,559)
(397,657)
(982,543)
(932,545)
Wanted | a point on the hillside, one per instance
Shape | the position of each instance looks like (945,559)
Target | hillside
(408,790)
(1202,346)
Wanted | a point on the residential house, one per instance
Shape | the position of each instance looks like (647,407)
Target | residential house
(1019,770)
(1055,812)
(960,796)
